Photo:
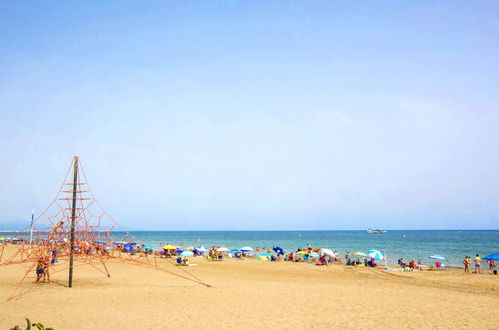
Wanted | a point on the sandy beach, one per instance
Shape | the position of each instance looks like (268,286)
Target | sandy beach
(252,294)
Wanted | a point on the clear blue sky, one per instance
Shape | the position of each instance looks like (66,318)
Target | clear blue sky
(255,114)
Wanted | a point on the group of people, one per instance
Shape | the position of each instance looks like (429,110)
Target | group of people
(412,265)
(478,261)
(182,261)
(213,255)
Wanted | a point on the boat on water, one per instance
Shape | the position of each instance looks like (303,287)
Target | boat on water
(376,231)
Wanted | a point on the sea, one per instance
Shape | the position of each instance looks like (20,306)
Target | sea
(417,245)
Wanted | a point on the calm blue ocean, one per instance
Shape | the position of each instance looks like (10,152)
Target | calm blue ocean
(411,245)
(454,245)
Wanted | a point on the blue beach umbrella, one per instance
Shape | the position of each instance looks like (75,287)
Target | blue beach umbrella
(437,257)
(187,254)
(179,251)
(235,251)
(278,250)
(494,256)
(246,249)
(128,247)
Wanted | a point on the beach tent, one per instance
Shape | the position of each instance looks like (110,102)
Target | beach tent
(494,256)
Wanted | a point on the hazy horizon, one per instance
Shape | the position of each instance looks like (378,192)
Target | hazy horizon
(200,115)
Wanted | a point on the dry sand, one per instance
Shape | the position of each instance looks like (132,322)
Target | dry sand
(253,294)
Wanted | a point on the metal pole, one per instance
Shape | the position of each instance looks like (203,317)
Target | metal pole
(73,217)
(31,230)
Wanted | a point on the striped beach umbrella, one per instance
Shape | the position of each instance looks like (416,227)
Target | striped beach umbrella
(437,257)
(376,254)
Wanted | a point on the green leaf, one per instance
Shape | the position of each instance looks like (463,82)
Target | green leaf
(28,324)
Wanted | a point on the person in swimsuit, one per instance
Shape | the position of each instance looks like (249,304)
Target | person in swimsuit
(477,264)
(39,270)
(491,265)
(466,263)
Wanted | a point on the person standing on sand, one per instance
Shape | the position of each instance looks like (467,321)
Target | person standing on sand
(466,262)
(491,265)
(39,270)
(477,264)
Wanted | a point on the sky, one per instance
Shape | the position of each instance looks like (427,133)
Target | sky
(254,115)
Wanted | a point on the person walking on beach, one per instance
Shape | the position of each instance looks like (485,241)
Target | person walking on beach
(477,264)
(466,262)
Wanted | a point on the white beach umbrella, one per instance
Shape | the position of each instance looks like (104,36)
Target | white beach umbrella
(437,257)
(246,249)
(328,252)
(376,254)
(201,249)
(222,249)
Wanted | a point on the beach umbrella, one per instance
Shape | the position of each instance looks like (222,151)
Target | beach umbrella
(375,254)
(302,252)
(215,247)
(246,249)
(266,255)
(263,258)
(201,249)
(494,256)
(360,254)
(187,254)
(178,251)
(314,254)
(223,249)
(148,247)
(169,247)
(235,251)
(278,250)
(328,252)
(437,257)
